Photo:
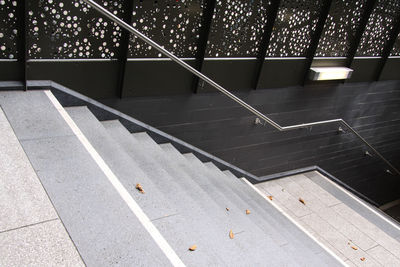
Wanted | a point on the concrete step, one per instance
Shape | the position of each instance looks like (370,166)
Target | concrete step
(128,172)
(201,192)
(301,254)
(255,243)
(193,225)
(99,222)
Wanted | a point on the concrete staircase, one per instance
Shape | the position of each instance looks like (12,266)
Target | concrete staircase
(90,171)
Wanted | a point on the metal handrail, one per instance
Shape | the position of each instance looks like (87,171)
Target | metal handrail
(174,58)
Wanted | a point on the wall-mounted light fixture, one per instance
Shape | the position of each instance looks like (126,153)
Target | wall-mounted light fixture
(330,73)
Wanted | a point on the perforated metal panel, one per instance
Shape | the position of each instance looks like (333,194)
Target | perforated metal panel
(340,27)
(8,29)
(378,29)
(237,28)
(295,23)
(396,48)
(173,24)
(71,29)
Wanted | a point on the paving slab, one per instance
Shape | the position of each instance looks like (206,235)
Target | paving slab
(384,257)
(23,200)
(32,115)
(42,244)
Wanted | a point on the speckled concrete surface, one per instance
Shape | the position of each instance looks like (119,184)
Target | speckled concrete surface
(43,244)
(23,200)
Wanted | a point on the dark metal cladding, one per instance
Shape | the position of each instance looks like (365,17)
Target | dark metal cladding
(379,27)
(340,28)
(9,27)
(237,28)
(173,24)
(294,27)
(72,30)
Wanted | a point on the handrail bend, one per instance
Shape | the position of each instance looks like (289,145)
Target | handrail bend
(260,115)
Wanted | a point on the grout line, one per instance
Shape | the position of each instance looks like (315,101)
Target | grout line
(43,187)
(28,225)
(362,203)
(294,222)
(122,191)
(166,216)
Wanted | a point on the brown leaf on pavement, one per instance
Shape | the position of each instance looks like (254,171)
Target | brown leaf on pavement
(353,247)
(362,259)
(302,201)
(227,209)
(270,197)
(193,248)
(231,235)
(140,188)
(247,212)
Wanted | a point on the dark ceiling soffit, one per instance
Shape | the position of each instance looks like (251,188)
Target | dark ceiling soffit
(360,30)
(316,37)
(124,47)
(22,46)
(389,46)
(271,17)
(202,42)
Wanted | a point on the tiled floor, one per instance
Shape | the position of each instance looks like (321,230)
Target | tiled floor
(31,234)
(349,235)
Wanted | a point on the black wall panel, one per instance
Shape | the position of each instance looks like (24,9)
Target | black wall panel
(231,74)
(391,70)
(164,77)
(365,69)
(10,71)
(94,79)
(282,72)
(214,123)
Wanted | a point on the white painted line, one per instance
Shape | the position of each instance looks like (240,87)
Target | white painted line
(71,59)
(361,202)
(330,58)
(228,58)
(294,222)
(284,58)
(157,59)
(135,208)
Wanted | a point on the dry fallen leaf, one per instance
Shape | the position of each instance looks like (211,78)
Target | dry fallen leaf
(353,247)
(231,235)
(193,248)
(362,259)
(302,201)
(270,197)
(227,209)
(247,211)
(140,188)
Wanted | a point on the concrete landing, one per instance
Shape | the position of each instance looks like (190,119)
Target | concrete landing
(31,233)
(353,230)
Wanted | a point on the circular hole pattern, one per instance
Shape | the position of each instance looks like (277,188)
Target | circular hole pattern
(295,22)
(379,26)
(172,24)
(340,28)
(72,30)
(396,48)
(8,29)
(237,28)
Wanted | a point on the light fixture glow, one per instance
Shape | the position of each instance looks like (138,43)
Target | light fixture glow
(330,73)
